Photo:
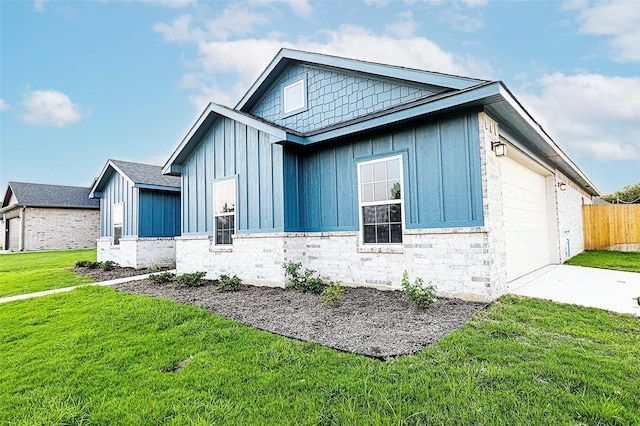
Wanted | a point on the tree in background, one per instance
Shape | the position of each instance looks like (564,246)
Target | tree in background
(629,195)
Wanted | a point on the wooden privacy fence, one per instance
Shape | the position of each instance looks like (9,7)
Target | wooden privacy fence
(610,225)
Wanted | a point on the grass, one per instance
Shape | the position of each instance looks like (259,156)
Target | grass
(96,356)
(604,259)
(32,272)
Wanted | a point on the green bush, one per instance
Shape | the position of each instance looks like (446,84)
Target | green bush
(227,283)
(191,279)
(302,282)
(162,278)
(417,293)
(332,294)
(108,265)
(87,264)
(154,266)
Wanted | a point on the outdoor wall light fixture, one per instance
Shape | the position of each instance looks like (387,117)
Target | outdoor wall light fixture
(499,148)
(562,186)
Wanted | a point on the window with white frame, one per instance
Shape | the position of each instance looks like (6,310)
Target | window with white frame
(224,211)
(118,216)
(294,96)
(380,186)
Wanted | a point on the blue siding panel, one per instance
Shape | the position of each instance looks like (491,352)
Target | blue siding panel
(118,190)
(159,214)
(442,179)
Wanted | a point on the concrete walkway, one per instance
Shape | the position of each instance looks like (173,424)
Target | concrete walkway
(597,288)
(66,289)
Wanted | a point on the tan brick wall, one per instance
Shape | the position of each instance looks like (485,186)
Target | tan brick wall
(60,229)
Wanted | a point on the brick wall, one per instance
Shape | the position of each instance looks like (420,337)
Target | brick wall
(570,224)
(60,229)
(138,252)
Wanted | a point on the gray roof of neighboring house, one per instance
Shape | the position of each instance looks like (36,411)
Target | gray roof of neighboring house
(44,195)
(146,174)
(140,175)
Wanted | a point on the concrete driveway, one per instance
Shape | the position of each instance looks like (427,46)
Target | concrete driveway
(598,288)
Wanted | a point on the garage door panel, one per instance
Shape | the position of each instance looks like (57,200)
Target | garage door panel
(14,234)
(526,221)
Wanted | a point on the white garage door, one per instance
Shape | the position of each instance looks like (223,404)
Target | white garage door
(526,218)
(14,234)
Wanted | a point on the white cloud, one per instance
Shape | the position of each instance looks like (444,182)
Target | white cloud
(228,97)
(462,21)
(51,108)
(618,19)
(173,4)
(404,26)
(38,5)
(301,8)
(236,19)
(595,116)
(3,105)
(177,30)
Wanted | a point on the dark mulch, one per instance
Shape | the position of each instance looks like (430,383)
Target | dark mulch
(100,275)
(370,322)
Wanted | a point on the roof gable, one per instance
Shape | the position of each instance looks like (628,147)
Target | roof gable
(44,195)
(140,175)
(287,57)
(333,96)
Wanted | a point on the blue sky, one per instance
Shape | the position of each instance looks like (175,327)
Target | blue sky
(84,81)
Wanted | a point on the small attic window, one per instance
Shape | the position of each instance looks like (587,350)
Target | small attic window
(295,97)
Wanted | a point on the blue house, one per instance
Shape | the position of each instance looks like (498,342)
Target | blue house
(362,170)
(139,214)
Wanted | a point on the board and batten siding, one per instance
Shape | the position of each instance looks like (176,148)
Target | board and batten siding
(234,150)
(119,190)
(442,178)
(159,214)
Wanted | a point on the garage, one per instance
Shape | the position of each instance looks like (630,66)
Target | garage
(13,234)
(528,217)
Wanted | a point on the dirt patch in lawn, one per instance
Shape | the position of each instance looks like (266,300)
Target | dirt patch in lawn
(370,322)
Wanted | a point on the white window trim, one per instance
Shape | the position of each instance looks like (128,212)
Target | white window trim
(362,204)
(113,223)
(299,107)
(235,210)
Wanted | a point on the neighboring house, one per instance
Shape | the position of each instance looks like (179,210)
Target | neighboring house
(139,214)
(48,217)
(362,171)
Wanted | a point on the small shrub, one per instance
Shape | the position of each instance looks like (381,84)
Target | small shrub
(154,266)
(332,294)
(302,282)
(162,278)
(191,279)
(173,265)
(86,264)
(108,265)
(227,283)
(417,293)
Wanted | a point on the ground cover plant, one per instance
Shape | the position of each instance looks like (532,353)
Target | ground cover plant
(622,261)
(97,356)
(32,272)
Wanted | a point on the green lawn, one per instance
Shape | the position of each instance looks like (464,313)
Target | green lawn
(96,356)
(607,260)
(32,272)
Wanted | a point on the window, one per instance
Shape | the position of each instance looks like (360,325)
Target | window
(118,215)
(294,97)
(224,211)
(380,186)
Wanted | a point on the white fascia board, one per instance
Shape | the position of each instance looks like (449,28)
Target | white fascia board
(513,103)
(101,177)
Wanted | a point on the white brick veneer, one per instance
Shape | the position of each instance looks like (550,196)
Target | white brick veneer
(570,223)
(60,229)
(138,252)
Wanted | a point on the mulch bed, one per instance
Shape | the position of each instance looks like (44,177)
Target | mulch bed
(100,275)
(378,324)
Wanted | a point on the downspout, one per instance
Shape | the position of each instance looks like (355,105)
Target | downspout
(21,242)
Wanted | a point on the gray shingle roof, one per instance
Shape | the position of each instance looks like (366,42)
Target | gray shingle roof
(44,195)
(146,174)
